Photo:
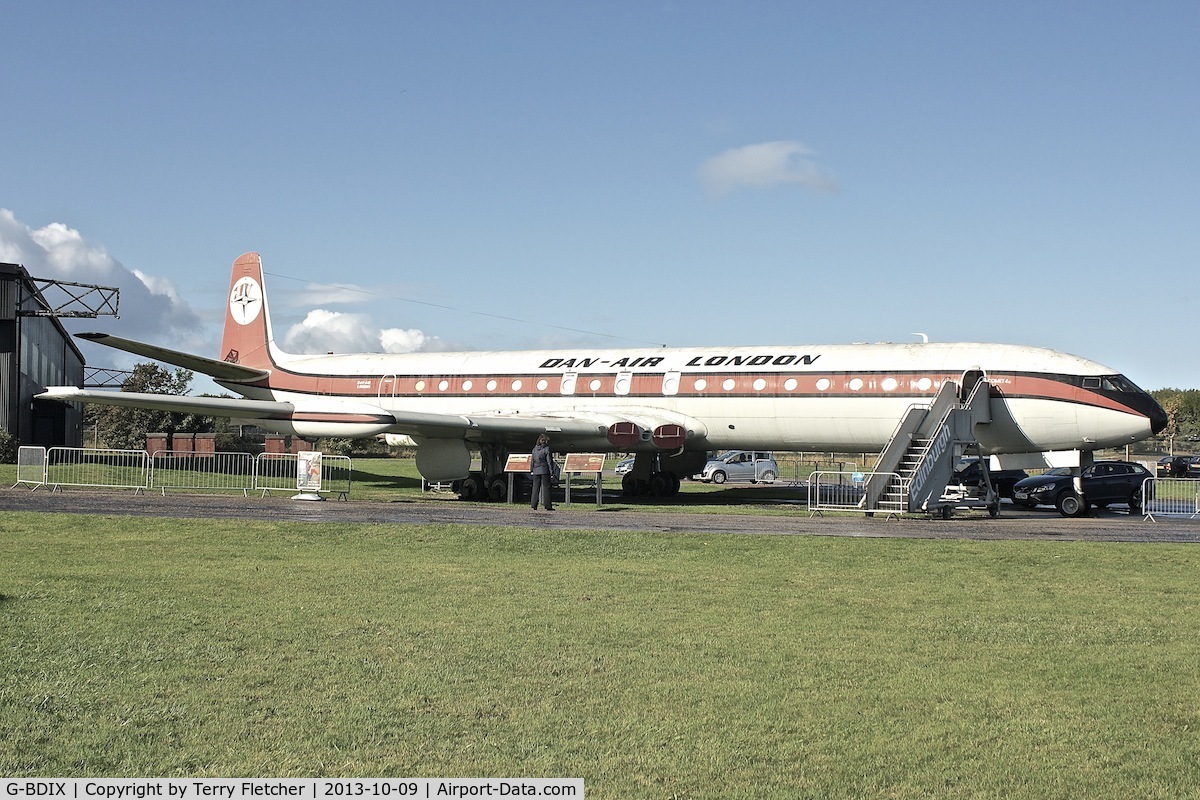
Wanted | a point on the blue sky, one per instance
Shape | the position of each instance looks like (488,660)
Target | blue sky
(543,174)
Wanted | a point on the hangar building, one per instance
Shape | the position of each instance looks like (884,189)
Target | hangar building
(35,352)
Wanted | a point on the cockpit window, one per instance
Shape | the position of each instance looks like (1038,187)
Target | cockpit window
(1111,383)
(1119,383)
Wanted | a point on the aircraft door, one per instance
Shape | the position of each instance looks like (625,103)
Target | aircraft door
(387,387)
(670,384)
(967,385)
(567,386)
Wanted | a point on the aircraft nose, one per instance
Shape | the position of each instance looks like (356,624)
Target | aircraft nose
(1154,412)
(1158,419)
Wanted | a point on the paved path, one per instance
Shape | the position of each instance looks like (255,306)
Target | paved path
(1013,523)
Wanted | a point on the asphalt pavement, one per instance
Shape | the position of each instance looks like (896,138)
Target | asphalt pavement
(1013,522)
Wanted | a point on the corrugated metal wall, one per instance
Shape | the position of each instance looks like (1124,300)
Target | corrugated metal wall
(35,352)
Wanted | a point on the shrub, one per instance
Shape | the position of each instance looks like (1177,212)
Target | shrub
(9,445)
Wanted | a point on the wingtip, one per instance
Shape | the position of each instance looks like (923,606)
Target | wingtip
(58,392)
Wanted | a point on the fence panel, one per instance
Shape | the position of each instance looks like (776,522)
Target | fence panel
(112,469)
(276,472)
(31,466)
(201,471)
(796,470)
(846,491)
(335,475)
(1170,497)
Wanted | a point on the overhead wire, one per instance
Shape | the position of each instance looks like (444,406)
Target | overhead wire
(443,307)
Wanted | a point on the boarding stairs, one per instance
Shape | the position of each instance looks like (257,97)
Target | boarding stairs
(918,463)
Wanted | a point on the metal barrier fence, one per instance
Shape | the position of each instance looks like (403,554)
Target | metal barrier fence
(113,469)
(796,471)
(208,472)
(31,466)
(1171,497)
(846,491)
(197,471)
(276,472)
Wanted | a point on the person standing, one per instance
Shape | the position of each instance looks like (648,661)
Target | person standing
(541,467)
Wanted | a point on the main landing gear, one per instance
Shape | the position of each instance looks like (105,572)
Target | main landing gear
(658,474)
(659,484)
(490,482)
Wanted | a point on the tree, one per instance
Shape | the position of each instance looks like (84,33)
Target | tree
(1183,413)
(126,428)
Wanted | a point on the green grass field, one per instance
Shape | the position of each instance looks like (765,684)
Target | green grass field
(651,665)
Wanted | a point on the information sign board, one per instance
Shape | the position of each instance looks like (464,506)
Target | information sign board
(308,471)
(584,462)
(518,462)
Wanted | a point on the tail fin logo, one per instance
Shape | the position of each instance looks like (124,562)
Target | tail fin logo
(245,301)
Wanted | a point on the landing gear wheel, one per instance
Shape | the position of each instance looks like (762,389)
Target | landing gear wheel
(659,485)
(497,490)
(632,487)
(993,510)
(719,476)
(1071,505)
(471,488)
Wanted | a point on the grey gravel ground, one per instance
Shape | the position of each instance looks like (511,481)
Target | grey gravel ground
(1013,523)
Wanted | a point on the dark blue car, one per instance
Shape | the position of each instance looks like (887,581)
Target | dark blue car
(1104,483)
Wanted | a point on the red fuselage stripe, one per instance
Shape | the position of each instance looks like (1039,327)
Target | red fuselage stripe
(917,386)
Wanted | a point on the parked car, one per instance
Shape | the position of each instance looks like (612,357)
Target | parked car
(1104,483)
(623,466)
(1192,468)
(741,465)
(968,474)
(1179,467)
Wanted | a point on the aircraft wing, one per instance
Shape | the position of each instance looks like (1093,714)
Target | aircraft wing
(222,370)
(570,424)
(476,427)
(327,416)
(499,426)
(212,406)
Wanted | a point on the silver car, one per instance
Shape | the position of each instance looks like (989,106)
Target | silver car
(741,465)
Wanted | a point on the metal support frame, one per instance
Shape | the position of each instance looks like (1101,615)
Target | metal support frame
(82,300)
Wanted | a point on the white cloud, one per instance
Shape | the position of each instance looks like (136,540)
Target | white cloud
(324,331)
(400,340)
(150,307)
(763,165)
(331,332)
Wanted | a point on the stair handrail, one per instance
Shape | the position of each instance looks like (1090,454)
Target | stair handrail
(899,425)
(972,401)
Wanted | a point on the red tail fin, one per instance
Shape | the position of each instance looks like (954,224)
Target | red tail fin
(247,324)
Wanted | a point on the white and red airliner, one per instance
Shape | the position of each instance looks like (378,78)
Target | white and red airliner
(670,405)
